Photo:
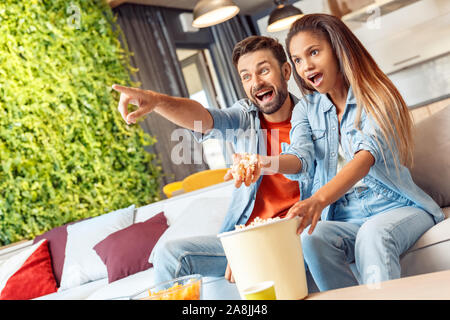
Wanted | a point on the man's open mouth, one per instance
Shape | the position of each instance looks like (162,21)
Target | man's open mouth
(316,79)
(265,95)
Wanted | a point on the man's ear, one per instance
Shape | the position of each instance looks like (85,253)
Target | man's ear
(287,70)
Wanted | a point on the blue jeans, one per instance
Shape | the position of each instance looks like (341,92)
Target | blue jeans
(368,227)
(203,255)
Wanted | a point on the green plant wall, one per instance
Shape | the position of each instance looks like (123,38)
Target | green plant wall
(65,152)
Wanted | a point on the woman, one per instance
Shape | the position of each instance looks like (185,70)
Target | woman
(350,149)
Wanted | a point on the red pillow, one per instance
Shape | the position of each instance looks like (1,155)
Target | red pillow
(127,251)
(28,274)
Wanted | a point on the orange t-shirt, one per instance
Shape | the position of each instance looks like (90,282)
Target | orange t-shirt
(276,193)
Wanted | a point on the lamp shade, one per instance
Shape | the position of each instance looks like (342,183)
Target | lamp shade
(210,12)
(282,17)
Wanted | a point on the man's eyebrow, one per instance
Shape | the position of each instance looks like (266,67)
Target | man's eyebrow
(259,63)
(262,62)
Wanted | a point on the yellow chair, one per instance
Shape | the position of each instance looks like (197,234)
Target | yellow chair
(203,179)
(173,188)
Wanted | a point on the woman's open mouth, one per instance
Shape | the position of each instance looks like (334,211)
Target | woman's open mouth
(316,79)
(265,95)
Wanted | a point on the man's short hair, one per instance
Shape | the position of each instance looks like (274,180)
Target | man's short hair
(255,43)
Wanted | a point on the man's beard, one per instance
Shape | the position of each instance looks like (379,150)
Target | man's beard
(274,105)
(280,95)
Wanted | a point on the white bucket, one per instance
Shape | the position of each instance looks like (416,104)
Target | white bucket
(268,252)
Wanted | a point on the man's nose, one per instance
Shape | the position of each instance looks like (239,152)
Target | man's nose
(258,82)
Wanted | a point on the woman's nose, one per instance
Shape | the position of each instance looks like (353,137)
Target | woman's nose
(307,66)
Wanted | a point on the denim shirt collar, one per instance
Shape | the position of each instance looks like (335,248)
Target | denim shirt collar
(326,103)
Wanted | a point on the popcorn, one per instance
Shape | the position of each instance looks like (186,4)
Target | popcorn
(256,222)
(238,170)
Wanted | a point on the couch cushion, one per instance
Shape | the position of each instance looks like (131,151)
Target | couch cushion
(82,264)
(76,293)
(432,258)
(431,169)
(126,251)
(125,287)
(174,207)
(438,233)
(148,211)
(201,217)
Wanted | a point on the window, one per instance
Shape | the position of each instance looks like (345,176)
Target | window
(202,85)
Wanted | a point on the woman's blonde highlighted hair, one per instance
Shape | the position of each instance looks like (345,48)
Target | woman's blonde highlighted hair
(373,90)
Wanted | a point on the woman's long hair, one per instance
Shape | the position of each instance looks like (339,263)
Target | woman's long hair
(373,90)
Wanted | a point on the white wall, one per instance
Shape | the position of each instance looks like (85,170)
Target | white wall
(412,46)
(412,34)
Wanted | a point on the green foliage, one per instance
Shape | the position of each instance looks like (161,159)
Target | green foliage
(65,152)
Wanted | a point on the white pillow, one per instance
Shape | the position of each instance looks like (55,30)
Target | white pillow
(201,217)
(82,264)
(174,209)
(172,206)
(149,211)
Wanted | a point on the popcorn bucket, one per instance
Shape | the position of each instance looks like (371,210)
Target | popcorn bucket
(268,252)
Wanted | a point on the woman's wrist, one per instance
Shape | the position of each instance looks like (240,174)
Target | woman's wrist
(320,199)
(285,164)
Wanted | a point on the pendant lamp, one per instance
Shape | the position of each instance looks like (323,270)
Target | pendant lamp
(210,12)
(283,16)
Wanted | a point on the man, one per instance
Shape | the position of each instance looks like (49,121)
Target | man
(264,71)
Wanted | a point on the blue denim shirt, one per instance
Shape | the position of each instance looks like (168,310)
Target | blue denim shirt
(241,126)
(315,140)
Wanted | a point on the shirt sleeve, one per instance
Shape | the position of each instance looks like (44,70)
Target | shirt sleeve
(370,138)
(301,144)
(223,120)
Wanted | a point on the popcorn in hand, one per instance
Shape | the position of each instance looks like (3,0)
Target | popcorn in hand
(239,169)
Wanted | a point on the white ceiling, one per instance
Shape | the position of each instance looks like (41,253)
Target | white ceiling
(246,6)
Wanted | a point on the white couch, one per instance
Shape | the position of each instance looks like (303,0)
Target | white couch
(174,209)
(209,204)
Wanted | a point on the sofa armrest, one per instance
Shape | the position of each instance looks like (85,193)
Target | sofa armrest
(13,248)
(438,233)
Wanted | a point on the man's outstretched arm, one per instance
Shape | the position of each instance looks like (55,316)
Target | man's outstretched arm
(181,111)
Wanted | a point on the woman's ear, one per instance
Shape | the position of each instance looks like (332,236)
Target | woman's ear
(287,70)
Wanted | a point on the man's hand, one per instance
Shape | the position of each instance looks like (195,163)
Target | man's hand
(229,274)
(309,211)
(145,100)
(249,176)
